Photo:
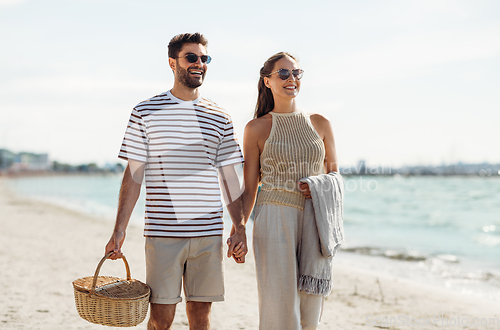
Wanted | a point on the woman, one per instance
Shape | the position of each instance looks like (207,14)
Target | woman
(281,146)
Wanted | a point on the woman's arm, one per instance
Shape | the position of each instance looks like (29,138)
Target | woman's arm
(251,172)
(325,131)
(251,169)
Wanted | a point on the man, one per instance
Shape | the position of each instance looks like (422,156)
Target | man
(184,145)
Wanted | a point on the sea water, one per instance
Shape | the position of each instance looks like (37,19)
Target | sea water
(95,194)
(439,230)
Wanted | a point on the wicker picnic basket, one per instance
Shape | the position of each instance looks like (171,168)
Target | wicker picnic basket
(111,301)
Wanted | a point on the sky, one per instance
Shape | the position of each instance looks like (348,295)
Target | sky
(402,82)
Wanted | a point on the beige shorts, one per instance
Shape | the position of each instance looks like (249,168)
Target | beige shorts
(198,262)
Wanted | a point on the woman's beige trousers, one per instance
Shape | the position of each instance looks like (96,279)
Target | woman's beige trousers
(276,241)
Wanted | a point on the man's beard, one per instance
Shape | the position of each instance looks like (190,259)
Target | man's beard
(185,79)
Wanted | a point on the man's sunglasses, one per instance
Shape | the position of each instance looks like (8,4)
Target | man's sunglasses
(193,58)
(284,74)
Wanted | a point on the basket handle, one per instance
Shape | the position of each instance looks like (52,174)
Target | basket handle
(94,283)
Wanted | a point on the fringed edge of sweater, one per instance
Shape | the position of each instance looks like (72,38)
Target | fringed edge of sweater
(317,286)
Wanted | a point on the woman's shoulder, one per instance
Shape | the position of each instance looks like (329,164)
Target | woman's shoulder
(318,119)
(259,124)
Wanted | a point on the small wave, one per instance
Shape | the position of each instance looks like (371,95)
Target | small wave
(438,265)
(402,255)
(478,194)
(490,240)
(447,258)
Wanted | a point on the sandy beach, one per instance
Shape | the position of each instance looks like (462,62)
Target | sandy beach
(43,248)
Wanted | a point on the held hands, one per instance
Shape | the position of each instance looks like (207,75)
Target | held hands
(237,243)
(115,244)
(304,187)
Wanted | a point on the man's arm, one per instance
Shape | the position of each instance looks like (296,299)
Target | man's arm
(232,192)
(129,193)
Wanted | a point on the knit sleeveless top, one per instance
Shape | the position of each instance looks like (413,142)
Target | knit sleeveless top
(294,150)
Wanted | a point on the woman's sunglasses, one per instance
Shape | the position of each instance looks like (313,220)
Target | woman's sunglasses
(193,58)
(284,74)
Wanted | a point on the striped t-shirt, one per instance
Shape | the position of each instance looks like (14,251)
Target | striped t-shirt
(182,143)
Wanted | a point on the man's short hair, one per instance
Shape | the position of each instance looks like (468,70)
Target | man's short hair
(176,43)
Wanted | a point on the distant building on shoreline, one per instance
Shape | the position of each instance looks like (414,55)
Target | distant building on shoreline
(28,163)
(23,161)
(6,159)
(482,169)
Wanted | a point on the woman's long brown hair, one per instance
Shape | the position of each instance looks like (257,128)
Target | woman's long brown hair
(265,100)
